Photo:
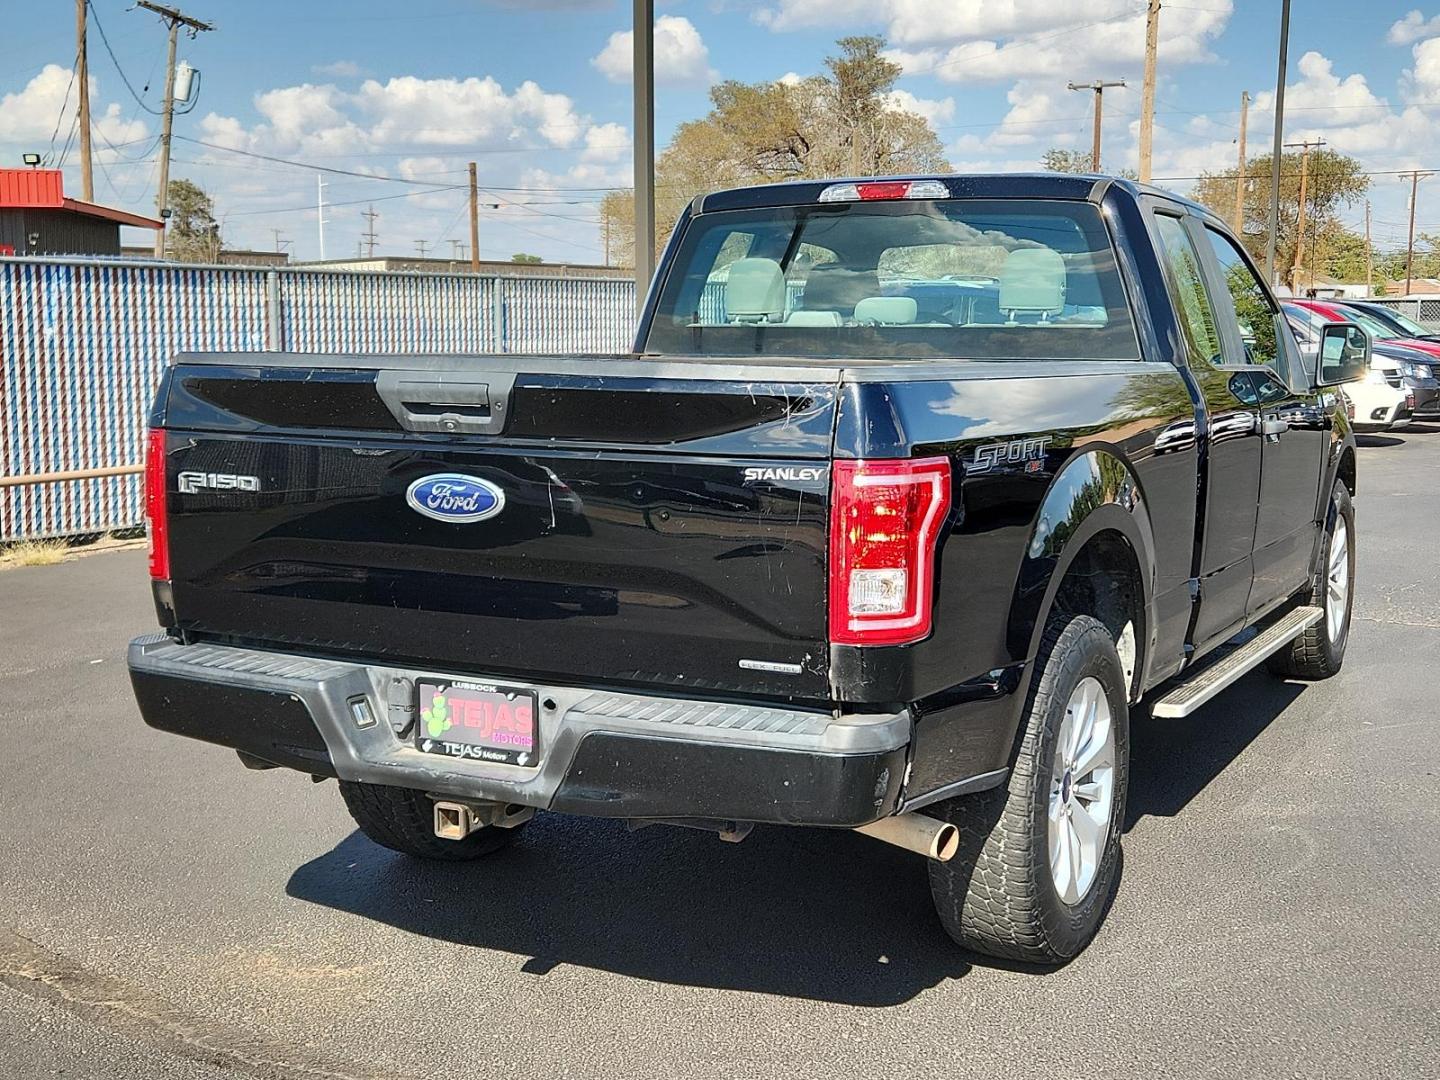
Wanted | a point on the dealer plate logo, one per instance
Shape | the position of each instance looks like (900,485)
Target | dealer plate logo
(455,497)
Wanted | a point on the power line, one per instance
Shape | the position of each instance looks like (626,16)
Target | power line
(95,15)
(61,117)
(310,207)
(310,166)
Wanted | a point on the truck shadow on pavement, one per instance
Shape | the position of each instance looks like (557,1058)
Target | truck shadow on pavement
(805,913)
(1174,760)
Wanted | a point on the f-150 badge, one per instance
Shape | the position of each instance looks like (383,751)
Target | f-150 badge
(993,455)
(189,483)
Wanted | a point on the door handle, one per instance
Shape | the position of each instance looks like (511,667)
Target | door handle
(447,403)
(1274,426)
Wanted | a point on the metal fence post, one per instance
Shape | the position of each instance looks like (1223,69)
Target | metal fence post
(274,318)
(497,315)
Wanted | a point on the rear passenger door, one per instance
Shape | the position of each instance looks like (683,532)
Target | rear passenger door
(1231,479)
(1292,425)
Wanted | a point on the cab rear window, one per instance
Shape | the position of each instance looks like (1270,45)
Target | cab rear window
(906,278)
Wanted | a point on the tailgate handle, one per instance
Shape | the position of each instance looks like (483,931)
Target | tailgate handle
(447,403)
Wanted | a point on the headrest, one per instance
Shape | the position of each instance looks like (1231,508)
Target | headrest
(1033,281)
(814,318)
(755,290)
(832,287)
(887,310)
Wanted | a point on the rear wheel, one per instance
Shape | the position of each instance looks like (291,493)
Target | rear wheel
(1038,858)
(1320,650)
(403,819)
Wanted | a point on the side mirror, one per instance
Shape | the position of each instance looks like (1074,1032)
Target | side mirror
(1344,354)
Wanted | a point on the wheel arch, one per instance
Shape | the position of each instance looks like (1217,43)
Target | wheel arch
(1090,551)
(1345,469)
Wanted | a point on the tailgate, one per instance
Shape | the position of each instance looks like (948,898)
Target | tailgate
(606,520)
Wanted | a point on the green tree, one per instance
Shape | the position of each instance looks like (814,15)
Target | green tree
(191,234)
(837,124)
(1335,181)
(526,259)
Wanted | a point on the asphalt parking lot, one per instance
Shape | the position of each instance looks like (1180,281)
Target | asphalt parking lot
(164,912)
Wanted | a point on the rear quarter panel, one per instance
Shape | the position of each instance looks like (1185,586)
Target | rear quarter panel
(1044,455)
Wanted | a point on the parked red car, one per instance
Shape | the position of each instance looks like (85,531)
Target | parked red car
(1379,329)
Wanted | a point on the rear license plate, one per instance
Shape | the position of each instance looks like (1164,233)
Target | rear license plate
(481,721)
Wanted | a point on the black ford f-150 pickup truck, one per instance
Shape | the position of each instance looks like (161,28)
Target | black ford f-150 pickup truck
(911,490)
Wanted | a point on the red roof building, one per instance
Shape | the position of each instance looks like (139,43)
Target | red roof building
(36,218)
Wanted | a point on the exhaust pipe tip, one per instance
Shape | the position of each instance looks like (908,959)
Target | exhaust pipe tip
(947,843)
(931,837)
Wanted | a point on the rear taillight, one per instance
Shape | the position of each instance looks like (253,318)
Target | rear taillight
(885,517)
(157,520)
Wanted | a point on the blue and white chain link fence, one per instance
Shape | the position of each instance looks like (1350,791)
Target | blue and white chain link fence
(83,343)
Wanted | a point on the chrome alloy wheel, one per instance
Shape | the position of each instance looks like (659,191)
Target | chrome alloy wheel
(1337,583)
(1082,791)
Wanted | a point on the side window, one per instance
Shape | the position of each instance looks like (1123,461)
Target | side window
(1253,308)
(1187,287)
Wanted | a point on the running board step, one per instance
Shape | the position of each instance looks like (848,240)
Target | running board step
(1210,680)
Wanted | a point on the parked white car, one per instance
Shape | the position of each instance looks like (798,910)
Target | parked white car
(1386,398)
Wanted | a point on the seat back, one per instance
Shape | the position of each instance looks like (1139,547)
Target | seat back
(1032,282)
(887,310)
(755,291)
(814,318)
(832,287)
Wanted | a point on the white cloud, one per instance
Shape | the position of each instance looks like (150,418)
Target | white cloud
(404,111)
(339,69)
(681,55)
(1421,83)
(938,111)
(790,78)
(1413,27)
(606,143)
(28,116)
(1052,47)
(1039,118)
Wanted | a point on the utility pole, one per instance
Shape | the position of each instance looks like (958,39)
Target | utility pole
(1277,146)
(320,211)
(174,20)
(1295,271)
(1415,178)
(1369,255)
(605,229)
(457,250)
(280,241)
(644,82)
(1240,170)
(1099,89)
(369,215)
(82,76)
(420,246)
(474,222)
(1147,92)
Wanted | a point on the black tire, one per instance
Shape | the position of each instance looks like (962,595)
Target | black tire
(1317,653)
(403,820)
(997,895)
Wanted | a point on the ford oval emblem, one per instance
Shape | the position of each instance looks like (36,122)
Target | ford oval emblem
(455,497)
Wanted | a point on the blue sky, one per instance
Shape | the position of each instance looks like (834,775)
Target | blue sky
(538,94)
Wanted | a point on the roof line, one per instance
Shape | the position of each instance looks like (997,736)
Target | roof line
(124,217)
